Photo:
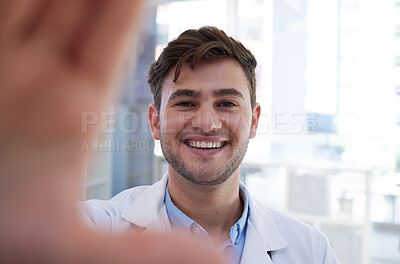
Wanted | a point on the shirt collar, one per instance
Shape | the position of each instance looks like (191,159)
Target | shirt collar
(180,222)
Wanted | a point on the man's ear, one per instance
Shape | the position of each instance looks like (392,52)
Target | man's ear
(255,117)
(154,121)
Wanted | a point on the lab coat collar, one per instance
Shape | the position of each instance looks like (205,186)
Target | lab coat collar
(262,234)
(148,210)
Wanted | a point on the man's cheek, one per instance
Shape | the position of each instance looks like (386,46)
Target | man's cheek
(167,129)
(237,123)
(175,122)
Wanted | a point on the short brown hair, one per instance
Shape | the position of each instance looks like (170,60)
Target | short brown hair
(194,46)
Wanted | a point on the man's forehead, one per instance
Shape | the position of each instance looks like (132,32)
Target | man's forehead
(217,65)
(207,77)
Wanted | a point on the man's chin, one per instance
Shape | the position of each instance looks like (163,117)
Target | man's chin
(203,178)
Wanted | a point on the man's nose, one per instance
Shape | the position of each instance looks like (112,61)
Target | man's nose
(207,119)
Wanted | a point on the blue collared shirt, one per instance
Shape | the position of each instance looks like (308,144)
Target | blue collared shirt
(233,247)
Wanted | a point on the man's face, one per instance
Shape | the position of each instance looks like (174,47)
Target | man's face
(205,121)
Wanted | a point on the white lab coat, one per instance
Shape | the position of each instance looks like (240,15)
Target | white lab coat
(142,209)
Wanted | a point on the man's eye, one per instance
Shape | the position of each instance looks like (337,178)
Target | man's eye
(185,104)
(227,104)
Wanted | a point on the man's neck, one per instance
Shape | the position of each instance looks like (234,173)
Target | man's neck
(215,208)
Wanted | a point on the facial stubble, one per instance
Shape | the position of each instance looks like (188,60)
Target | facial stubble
(200,176)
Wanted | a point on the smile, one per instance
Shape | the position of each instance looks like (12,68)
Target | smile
(205,144)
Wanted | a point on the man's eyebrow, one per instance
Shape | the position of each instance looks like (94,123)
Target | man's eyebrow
(184,93)
(227,92)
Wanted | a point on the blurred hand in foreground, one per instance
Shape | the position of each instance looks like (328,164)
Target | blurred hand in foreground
(58,59)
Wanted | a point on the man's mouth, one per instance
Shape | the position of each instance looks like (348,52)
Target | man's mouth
(205,144)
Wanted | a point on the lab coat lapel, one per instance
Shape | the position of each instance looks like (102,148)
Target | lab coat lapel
(148,212)
(262,235)
(161,223)
(254,251)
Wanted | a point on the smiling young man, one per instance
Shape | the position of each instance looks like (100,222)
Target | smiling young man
(204,114)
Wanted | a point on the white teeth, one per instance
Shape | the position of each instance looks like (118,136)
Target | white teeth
(204,144)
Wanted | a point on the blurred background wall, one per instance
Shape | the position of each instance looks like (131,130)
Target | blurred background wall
(328,146)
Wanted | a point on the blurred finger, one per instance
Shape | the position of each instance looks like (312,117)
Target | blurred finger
(107,35)
(14,13)
(159,248)
(61,22)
